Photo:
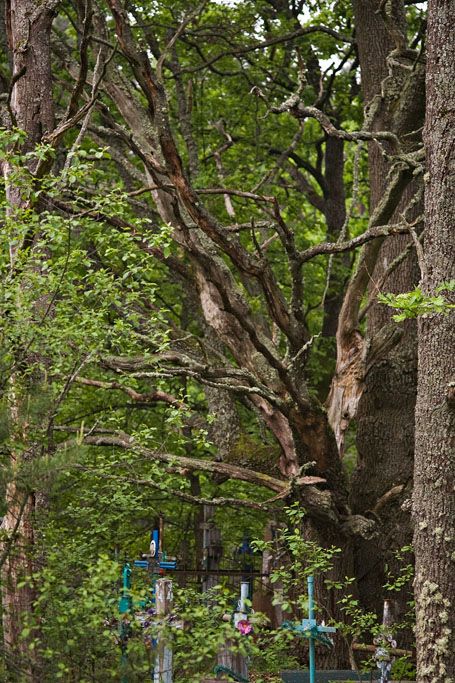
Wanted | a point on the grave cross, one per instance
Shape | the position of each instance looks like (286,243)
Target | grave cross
(155,562)
(125,602)
(310,629)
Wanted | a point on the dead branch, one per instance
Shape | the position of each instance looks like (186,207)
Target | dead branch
(371,234)
(125,441)
(389,270)
(319,504)
(236,193)
(178,493)
(151,397)
(83,58)
(390,495)
(187,20)
(296,108)
(348,320)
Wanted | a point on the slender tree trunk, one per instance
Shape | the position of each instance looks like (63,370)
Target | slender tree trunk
(434,497)
(28,25)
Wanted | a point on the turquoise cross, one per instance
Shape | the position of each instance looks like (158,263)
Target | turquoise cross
(125,599)
(310,629)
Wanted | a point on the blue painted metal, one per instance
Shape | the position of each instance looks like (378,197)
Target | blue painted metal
(310,629)
(153,566)
(125,602)
(311,624)
(169,564)
(155,562)
(123,665)
(220,669)
(142,564)
(125,606)
(244,555)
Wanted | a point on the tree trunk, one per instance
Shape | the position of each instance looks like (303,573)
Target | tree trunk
(434,497)
(385,431)
(28,25)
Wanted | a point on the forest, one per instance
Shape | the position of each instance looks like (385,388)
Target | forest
(227,341)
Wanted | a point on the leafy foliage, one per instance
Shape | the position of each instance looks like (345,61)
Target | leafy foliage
(416,303)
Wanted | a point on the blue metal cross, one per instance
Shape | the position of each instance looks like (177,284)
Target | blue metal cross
(125,602)
(155,562)
(310,629)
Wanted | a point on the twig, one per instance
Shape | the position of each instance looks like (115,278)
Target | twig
(294,106)
(302,31)
(84,42)
(69,381)
(84,126)
(392,266)
(236,193)
(187,20)
(420,254)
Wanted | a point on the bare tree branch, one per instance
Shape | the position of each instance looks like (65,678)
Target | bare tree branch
(83,56)
(178,493)
(370,234)
(302,31)
(294,106)
(151,397)
(125,441)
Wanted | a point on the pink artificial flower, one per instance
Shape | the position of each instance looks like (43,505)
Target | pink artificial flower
(244,626)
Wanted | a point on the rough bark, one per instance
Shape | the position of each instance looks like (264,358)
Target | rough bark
(434,497)
(385,412)
(28,27)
